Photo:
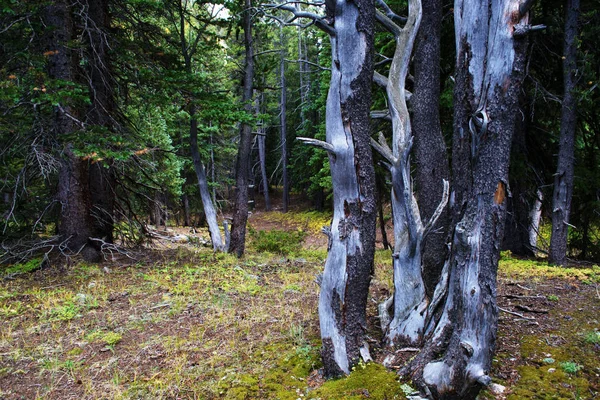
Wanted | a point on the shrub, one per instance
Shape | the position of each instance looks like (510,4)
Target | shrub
(277,242)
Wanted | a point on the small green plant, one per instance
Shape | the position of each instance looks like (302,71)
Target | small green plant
(66,312)
(592,337)
(552,297)
(548,360)
(112,338)
(277,242)
(570,367)
(23,268)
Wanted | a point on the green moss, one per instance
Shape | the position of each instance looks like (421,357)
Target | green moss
(573,375)
(540,270)
(541,383)
(370,381)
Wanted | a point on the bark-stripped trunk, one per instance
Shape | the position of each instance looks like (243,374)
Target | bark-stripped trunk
(75,225)
(209,209)
(431,158)
(563,178)
(283,122)
(349,265)
(242,170)
(535,217)
(456,359)
(410,301)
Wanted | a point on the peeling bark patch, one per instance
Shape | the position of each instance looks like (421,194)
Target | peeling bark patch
(500,194)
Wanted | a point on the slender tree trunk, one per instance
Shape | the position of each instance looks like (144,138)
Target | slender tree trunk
(186,210)
(240,210)
(261,137)
(75,225)
(535,217)
(207,204)
(283,122)
(456,360)
(349,265)
(516,232)
(430,149)
(563,179)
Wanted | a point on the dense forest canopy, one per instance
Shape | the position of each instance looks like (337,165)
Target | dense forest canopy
(474,122)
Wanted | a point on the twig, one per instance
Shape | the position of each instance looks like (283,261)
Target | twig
(516,314)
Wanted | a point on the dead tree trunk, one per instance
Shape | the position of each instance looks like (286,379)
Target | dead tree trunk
(456,359)
(209,209)
(242,169)
(563,178)
(349,265)
(410,301)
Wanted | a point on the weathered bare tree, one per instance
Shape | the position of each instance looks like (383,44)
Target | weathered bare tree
(347,274)
(563,178)
(410,302)
(490,40)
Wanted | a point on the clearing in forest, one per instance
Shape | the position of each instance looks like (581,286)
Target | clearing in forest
(182,322)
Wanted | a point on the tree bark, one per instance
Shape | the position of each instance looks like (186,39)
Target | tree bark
(349,265)
(240,210)
(456,359)
(101,113)
(563,178)
(75,225)
(431,157)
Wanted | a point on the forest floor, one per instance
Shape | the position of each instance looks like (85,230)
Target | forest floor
(179,322)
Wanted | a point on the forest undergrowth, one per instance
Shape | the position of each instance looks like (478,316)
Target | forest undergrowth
(182,322)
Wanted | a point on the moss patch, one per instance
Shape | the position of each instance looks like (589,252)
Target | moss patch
(370,381)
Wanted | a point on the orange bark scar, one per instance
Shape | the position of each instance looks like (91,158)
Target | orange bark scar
(500,194)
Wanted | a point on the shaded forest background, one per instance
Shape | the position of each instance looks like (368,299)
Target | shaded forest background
(144,69)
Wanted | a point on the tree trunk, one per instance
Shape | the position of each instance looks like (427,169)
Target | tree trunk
(283,122)
(186,210)
(430,149)
(261,137)
(456,359)
(100,113)
(242,169)
(75,225)
(207,204)
(517,229)
(410,302)
(349,265)
(563,179)
(535,217)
